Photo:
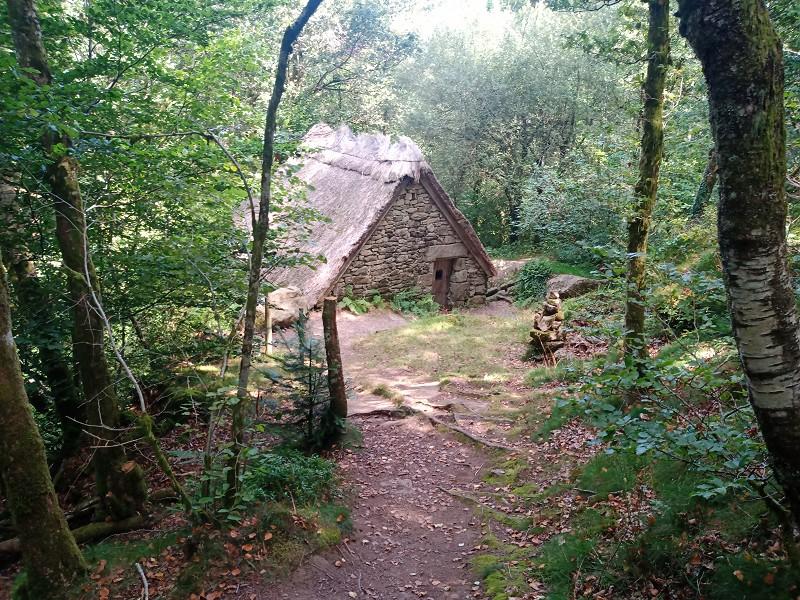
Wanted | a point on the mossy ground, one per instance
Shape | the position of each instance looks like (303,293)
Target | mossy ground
(270,543)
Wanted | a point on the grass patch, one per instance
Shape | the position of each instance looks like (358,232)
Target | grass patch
(561,268)
(611,473)
(296,533)
(452,345)
(564,371)
(384,391)
(125,553)
(744,576)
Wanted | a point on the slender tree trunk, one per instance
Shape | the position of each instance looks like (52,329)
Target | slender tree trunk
(333,355)
(50,553)
(35,301)
(514,211)
(120,483)
(649,164)
(57,371)
(706,187)
(260,231)
(743,66)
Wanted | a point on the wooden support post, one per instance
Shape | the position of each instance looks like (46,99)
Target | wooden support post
(334,357)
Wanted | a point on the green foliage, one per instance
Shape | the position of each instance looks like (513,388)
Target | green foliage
(360,306)
(532,282)
(488,109)
(19,586)
(689,300)
(305,381)
(416,303)
(357,306)
(692,407)
(288,475)
(567,216)
(50,430)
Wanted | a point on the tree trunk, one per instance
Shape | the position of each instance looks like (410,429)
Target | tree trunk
(649,164)
(260,230)
(743,66)
(57,371)
(333,354)
(35,301)
(120,484)
(706,187)
(51,555)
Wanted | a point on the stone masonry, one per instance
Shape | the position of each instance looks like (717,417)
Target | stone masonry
(400,254)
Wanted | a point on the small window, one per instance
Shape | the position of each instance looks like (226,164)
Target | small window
(439,274)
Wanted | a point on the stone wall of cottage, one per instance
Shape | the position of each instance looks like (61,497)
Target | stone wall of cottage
(400,254)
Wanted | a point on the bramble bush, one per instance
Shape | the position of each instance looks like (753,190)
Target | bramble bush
(532,282)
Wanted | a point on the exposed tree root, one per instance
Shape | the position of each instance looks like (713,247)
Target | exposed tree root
(10,549)
(401,412)
(467,434)
(404,411)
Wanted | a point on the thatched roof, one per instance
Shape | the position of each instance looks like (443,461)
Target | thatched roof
(353,181)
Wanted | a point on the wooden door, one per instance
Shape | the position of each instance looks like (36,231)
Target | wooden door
(442,267)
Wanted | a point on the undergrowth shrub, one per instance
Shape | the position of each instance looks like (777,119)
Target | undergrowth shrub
(360,306)
(686,300)
(532,282)
(304,381)
(289,475)
(415,302)
(679,435)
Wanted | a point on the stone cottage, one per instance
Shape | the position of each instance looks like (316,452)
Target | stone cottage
(391,227)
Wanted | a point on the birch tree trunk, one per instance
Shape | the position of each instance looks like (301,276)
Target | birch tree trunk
(119,483)
(649,164)
(51,556)
(743,66)
(260,231)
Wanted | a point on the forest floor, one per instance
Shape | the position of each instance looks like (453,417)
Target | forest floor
(435,513)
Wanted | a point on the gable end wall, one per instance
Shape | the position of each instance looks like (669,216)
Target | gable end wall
(397,256)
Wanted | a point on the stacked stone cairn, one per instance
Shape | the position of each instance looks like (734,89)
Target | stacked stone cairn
(547,335)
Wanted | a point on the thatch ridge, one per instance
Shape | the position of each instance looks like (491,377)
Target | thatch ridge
(375,155)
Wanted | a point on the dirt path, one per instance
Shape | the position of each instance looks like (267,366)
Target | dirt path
(417,489)
(411,537)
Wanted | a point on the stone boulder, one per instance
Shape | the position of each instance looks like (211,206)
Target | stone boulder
(571,286)
(285,305)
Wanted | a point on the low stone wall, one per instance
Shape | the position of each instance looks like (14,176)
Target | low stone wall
(400,254)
